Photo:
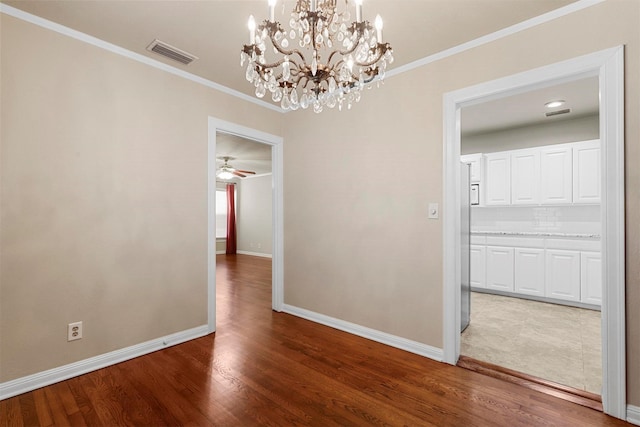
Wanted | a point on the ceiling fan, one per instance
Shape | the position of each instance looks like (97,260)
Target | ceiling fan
(226,171)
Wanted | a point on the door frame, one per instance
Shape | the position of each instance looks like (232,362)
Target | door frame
(277,230)
(608,66)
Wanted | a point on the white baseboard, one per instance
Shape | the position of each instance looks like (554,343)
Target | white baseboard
(221,252)
(633,414)
(372,334)
(255,254)
(51,376)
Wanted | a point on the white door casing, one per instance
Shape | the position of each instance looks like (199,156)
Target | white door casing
(276,143)
(608,65)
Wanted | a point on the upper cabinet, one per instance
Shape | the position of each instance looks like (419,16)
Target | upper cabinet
(586,172)
(498,174)
(556,174)
(525,177)
(475,160)
(559,174)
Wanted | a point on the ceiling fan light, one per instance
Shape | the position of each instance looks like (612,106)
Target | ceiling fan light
(224,174)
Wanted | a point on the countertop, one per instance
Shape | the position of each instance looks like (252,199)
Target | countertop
(536,234)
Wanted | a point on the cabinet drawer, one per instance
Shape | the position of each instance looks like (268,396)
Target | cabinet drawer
(574,244)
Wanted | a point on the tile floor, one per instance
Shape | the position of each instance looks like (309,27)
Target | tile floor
(553,342)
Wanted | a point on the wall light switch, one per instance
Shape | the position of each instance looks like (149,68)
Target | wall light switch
(434,211)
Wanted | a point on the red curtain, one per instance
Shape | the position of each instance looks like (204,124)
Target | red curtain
(231,219)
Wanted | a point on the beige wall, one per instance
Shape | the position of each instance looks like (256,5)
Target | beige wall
(104,198)
(387,272)
(254,215)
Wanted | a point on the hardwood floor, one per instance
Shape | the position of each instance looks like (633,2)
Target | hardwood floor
(266,368)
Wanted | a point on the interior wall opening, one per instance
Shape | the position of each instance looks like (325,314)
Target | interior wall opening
(535,234)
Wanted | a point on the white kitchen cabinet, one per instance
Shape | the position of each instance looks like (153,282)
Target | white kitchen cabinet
(498,179)
(591,278)
(475,160)
(478,266)
(529,271)
(556,175)
(562,274)
(586,172)
(500,268)
(525,177)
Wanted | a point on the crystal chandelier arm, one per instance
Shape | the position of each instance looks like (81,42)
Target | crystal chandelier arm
(381,50)
(278,63)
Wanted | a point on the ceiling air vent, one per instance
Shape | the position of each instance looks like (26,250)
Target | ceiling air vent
(171,52)
(557,113)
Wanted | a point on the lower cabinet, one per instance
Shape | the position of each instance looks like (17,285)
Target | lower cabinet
(478,264)
(529,271)
(562,274)
(550,269)
(500,268)
(591,277)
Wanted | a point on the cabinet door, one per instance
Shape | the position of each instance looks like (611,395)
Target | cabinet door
(525,177)
(498,174)
(500,268)
(478,266)
(556,175)
(529,271)
(591,278)
(586,172)
(562,274)
(475,160)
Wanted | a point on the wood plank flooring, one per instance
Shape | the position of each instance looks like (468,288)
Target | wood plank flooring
(273,369)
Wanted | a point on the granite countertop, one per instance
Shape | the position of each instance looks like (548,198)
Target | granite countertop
(537,234)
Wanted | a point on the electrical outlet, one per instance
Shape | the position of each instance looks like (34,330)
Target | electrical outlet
(74,331)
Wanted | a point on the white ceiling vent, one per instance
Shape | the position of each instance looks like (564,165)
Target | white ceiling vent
(171,52)
(557,113)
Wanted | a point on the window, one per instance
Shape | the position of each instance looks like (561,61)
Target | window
(221,214)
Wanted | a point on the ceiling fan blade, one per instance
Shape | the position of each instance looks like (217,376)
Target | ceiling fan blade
(236,173)
(240,170)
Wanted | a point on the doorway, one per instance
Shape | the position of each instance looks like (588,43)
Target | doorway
(220,127)
(607,66)
(540,326)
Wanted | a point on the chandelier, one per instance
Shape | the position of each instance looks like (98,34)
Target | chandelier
(322,59)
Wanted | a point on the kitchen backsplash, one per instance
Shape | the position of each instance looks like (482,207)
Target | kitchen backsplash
(556,219)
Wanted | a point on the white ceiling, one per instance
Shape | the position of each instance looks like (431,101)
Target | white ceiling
(247,154)
(215,30)
(528,108)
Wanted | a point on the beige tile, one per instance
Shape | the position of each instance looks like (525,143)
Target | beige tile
(554,342)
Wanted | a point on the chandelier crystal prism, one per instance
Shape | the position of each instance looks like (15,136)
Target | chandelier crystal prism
(322,60)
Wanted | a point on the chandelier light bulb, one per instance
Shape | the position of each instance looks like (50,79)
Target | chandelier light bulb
(379,25)
(323,58)
(272,10)
(252,29)
(358,10)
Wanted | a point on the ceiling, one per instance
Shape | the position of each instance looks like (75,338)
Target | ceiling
(215,30)
(528,108)
(247,154)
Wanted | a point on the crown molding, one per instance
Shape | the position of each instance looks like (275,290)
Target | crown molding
(61,29)
(538,20)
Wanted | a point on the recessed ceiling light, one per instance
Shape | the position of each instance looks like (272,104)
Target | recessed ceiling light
(554,104)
